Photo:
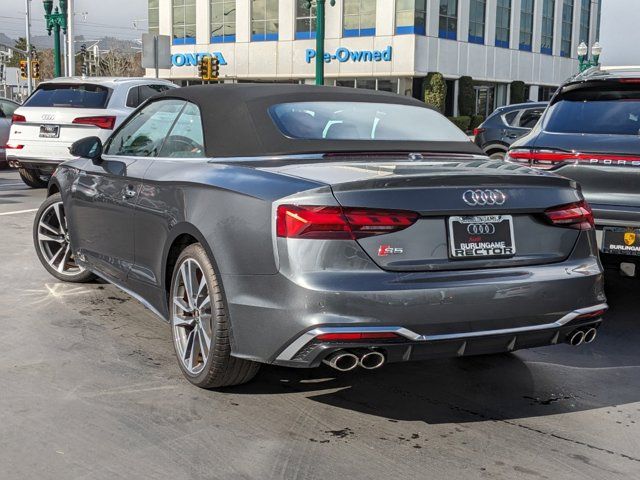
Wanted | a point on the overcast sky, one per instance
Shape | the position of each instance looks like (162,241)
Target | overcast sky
(104,17)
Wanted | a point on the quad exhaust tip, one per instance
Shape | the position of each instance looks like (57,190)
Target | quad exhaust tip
(372,360)
(344,361)
(576,338)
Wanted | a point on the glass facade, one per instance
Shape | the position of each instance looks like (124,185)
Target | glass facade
(154,16)
(223,21)
(585,19)
(477,14)
(359,18)
(305,20)
(548,14)
(448,24)
(264,20)
(526,25)
(567,27)
(503,23)
(184,22)
(411,16)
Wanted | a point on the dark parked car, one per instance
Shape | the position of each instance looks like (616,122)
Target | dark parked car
(505,125)
(591,133)
(297,225)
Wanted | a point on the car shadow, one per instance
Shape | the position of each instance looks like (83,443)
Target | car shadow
(540,382)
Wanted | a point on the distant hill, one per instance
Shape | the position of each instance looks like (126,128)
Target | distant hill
(44,42)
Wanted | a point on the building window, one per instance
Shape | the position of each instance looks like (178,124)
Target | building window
(359,18)
(526,25)
(154,17)
(548,9)
(411,17)
(223,21)
(305,20)
(585,19)
(184,22)
(598,17)
(567,26)
(477,12)
(264,20)
(503,23)
(448,25)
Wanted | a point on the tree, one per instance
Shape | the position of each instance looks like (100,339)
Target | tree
(120,64)
(466,96)
(14,61)
(435,90)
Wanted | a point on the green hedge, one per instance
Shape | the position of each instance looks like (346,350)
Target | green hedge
(466,96)
(517,92)
(476,120)
(435,90)
(462,122)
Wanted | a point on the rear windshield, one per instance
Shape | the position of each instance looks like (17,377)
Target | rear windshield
(612,111)
(363,121)
(75,96)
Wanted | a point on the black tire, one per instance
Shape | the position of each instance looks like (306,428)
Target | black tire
(220,368)
(32,178)
(45,249)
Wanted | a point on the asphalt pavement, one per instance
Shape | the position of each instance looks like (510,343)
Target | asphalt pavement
(90,389)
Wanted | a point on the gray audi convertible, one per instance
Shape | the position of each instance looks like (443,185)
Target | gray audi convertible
(299,225)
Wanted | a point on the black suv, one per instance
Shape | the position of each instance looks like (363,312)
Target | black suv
(591,133)
(505,125)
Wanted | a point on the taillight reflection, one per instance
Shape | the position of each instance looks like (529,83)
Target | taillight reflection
(320,222)
(549,159)
(574,215)
(15,118)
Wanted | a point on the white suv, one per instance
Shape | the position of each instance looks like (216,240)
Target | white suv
(64,110)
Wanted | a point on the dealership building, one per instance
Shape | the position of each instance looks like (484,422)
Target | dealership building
(383,44)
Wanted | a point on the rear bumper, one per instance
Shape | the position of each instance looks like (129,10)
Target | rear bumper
(44,164)
(439,311)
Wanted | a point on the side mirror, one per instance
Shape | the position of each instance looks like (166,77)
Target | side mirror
(90,147)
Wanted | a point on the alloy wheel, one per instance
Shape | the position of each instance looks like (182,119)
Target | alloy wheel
(53,241)
(191,317)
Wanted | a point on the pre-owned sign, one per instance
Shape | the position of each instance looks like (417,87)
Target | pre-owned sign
(343,54)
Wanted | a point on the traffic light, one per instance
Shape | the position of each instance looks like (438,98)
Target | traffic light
(24,65)
(204,68)
(215,68)
(35,69)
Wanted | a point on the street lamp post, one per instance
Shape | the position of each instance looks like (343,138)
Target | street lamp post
(320,17)
(56,20)
(583,56)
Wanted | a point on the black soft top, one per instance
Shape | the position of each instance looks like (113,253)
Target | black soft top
(237,123)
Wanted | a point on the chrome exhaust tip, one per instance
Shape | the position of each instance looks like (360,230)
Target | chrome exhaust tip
(576,338)
(342,361)
(372,360)
(590,335)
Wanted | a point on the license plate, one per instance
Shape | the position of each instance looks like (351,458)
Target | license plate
(624,241)
(481,237)
(49,131)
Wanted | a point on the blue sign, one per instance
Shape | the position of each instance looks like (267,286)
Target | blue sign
(192,59)
(343,54)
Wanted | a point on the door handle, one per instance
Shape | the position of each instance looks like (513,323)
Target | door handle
(129,192)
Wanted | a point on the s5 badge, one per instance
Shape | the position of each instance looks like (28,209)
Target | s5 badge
(386,250)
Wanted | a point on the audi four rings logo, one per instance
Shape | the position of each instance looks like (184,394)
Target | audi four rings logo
(483,198)
(481,229)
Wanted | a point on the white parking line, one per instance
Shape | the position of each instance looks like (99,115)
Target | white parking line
(19,211)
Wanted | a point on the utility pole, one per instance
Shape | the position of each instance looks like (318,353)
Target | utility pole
(71,56)
(27,4)
(56,21)
(320,21)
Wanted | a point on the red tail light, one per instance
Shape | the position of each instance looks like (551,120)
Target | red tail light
(477,131)
(8,146)
(105,122)
(15,118)
(597,313)
(317,222)
(351,337)
(575,215)
(548,159)
(629,80)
